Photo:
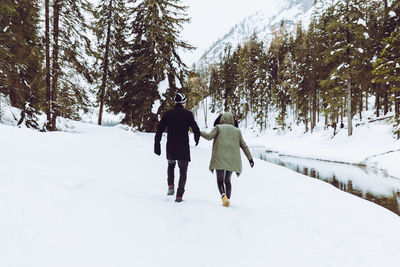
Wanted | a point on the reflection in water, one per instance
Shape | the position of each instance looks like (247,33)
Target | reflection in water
(365,182)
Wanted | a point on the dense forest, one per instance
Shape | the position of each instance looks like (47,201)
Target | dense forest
(329,69)
(63,58)
(56,55)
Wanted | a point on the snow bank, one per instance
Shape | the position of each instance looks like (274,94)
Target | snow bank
(363,147)
(97,197)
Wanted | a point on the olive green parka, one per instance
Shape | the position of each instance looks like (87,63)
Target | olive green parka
(226,146)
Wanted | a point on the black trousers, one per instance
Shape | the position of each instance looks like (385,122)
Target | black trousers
(183,166)
(224,182)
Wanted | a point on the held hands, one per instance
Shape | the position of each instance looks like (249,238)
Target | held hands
(251,163)
(157,149)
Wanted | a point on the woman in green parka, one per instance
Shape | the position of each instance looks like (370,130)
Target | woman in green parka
(225,157)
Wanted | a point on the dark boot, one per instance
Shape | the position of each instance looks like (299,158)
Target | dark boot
(171,190)
(178,199)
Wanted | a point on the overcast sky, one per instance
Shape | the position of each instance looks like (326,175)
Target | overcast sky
(211,19)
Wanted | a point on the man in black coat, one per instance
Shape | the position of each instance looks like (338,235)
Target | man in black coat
(177,121)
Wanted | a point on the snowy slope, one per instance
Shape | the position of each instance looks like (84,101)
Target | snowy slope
(264,23)
(96,197)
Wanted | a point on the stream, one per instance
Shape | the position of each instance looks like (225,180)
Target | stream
(366,182)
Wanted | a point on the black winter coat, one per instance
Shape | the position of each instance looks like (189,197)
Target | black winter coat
(177,121)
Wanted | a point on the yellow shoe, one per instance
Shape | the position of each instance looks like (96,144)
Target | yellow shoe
(225,201)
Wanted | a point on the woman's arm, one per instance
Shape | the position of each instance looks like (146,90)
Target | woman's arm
(245,148)
(210,135)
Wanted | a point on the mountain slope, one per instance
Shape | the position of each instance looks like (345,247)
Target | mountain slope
(264,24)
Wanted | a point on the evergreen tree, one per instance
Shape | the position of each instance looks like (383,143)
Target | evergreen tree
(387,66)
(300,74)
(137,85)
(215,87)
(345,52)
(263,95)
(47,45)
(150,58)
(198,90)
(20,57)
(70,47)
(381,29)
(278,67)
(110,18)
(249,79)
(328,67)
(229,79)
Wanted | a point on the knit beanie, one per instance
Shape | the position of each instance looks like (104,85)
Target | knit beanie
(180,98)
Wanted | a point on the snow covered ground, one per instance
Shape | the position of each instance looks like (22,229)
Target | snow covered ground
(97,197)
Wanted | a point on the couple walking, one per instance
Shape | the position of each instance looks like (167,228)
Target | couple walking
(225,157)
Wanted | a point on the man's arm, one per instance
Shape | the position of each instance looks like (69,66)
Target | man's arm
(195,129)
(157,139)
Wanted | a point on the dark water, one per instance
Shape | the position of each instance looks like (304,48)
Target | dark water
(366,182)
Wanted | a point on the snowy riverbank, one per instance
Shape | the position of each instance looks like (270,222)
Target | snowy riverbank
(370,144)
(96,197)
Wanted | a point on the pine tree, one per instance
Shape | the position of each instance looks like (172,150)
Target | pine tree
(215,87)
(151,57)
(7,12)
(278,67)
(137,85)
(70,47)
(249,76)
(263,95)
(198,90)
(110,17)
(229,74)
(300,55)
(387,66)
(20,57)
(47,45)
(319,45)
(370,44)
(381,30)
(346,30)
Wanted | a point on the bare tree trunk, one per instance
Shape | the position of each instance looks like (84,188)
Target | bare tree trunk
(349,43)
(205,107)
(310,113)
(360,105)
(385,100)
(314,110)
(266,116)
(105,64)
(397,104)
(366,98)
(377,100)
(47,44)
(349,119)
(341,112)
(306,124)
(318,109)
(55,68)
